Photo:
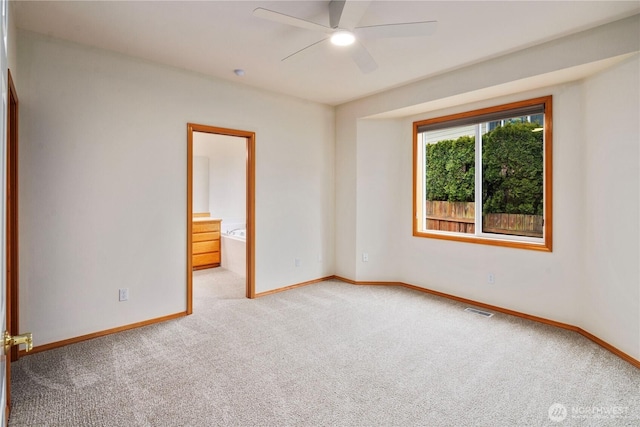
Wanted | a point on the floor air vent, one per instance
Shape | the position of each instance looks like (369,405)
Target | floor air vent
(480,312)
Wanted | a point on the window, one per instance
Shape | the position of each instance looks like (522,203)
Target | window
(485,176)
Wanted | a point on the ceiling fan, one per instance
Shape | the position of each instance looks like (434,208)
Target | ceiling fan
(344,16)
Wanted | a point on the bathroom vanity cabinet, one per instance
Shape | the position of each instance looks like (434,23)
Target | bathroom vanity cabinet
(205,243)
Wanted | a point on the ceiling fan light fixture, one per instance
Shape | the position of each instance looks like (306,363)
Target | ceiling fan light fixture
(343,38)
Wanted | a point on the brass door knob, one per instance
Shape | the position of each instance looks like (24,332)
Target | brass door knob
(9,341)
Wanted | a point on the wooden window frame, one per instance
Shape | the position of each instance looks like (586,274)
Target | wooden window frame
(546,244)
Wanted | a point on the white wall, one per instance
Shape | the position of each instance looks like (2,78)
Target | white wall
(345,196)
(524,279)
(200,182)
(227,185)
(611,291)
(379,221)
(12,37)
(376,186)
(96,215)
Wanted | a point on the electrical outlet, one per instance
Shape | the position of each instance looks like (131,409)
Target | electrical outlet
(123,294)
(297,262)
(319,257)
(365,257)
(491,278)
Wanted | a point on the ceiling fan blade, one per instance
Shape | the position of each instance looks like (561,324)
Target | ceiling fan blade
(335,12)
(290,20)
(407,29)
(363,58)
(304,48)
(346,14)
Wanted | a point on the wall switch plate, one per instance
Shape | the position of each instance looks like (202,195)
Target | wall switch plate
(491,278)
(123,294)
(365,257)
(297,262)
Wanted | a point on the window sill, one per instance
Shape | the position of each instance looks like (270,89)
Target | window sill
(534,246)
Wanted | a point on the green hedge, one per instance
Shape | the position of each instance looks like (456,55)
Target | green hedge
(512,170)
(451,170)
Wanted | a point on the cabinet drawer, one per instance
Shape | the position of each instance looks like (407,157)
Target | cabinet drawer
(201,237)
(206,259)
(203,227)
(202,247)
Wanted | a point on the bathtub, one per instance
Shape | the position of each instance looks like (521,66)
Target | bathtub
(234,250)
(238,233)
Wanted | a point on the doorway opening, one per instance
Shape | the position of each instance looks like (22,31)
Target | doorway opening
(215,210)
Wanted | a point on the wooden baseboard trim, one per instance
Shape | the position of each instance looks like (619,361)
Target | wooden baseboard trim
(584,333)
(621,354)
(69,341)
(344,279)
(297,285)
(561,325)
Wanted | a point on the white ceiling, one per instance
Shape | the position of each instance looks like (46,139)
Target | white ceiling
(216,37)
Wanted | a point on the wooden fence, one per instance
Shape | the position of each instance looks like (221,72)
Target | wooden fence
(451,216)
(460,217)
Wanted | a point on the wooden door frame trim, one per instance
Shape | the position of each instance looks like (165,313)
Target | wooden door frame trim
(11,210)
(12,141)
(250,137)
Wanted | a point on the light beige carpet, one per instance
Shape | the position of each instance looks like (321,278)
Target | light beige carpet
(327,354)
